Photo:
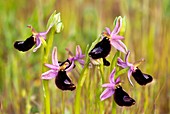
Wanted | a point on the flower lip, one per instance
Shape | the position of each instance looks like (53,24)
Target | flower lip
(106,63)
(101,49)
(25,45)
(141,78)
(63,82)
(122,98)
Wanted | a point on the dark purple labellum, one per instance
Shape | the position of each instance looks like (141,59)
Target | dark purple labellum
(106,63)
(25,45)
(122,98)
(63,82)
(141,78)
(101,50)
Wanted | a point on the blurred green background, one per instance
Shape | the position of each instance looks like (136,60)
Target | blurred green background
(147,36)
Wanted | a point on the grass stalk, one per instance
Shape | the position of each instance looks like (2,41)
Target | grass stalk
(45,82)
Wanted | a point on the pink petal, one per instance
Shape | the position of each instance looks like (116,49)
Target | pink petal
(78,51)
(111,78)
(81,62)
(121,63)
(118,80)
(119,45)
(49,74)
(44,33)
(129,74)
(54,57)
(117,37)
(106,94)
(126,60)
(118,26)
(53,67)
(108,30)
(123,45)
(127,56)
(38,44)
(109,85)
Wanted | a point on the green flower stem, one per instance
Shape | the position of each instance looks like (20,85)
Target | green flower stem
(120,72)
(100,89)
(46,97)
(82,78)
(114,60)
(45,82)
(79,86)
(63,103)
(113,107)
(113,65)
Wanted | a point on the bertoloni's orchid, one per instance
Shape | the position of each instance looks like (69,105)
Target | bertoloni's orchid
(114,37)
(35,39)
(110,87)
(114,88)
(141,78)
(102,48)
(122,98)
(58,70)
(38,38)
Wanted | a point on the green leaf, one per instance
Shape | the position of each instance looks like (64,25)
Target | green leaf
(120,72)
(114,60)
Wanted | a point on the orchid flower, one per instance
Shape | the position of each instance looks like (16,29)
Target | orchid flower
(115,39)
(78,57)
(56,66)
(140,77)
(35,39)
(114,88)
(38,38)
(110,87)
(103,48)
(58,71)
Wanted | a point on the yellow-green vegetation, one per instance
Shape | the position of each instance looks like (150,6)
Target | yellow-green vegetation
(147,36)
